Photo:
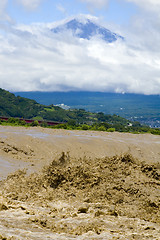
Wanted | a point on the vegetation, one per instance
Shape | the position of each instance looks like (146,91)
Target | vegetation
(19,107)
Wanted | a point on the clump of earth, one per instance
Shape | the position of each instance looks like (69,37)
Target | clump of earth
(82,198)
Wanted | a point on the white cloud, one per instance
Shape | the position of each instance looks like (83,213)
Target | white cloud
(96,4)
(145,4)
(3,4)
(61,9)
(30,4)
(151,5)
(33,58)
(3,15)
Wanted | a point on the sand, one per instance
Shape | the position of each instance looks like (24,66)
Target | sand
(78,184)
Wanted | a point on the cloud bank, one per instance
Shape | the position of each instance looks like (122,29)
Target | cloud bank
(35,59)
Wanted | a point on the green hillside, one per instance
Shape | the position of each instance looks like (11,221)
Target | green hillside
(20,107)
(12,106)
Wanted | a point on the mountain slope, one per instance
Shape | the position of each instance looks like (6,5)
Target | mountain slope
(12,106)
(87,29)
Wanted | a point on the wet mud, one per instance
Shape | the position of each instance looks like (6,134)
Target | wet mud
(93,195)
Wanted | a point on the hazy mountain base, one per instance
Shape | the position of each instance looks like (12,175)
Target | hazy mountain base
(86,198)
(142,108)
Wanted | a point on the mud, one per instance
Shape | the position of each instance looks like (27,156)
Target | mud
(78,190)
(8,165)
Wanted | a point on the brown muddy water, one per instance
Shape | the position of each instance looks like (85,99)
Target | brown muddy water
(7,167)
(58,184)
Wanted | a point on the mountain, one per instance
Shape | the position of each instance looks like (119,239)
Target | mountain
(87,29)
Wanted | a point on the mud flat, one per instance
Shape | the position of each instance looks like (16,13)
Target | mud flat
(78,184)
(40,146)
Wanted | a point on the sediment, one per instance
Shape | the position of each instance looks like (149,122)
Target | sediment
(86,197)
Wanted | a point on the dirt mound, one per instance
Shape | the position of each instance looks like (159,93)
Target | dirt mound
(128,187)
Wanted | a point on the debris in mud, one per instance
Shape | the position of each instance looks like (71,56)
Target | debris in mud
(83,209)
(3,207)
(14,150)
(122,182)
(7,238)
(78,195)
(107,197)
(151,170)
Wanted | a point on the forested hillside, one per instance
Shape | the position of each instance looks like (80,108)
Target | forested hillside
(20,107)
(12,106)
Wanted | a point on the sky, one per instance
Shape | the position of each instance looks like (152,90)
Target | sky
(33,58)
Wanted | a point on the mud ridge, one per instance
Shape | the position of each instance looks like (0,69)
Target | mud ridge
(131,187)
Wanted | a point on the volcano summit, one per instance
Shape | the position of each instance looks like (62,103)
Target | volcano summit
(87,29)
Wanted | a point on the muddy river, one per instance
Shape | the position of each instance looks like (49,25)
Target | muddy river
(60,184)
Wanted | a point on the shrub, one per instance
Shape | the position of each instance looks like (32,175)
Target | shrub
(22,122)
(63,126)
(11,120)
(35,123)
(85,127)
(101,128)
(44,124)
(111,130)
(155,131)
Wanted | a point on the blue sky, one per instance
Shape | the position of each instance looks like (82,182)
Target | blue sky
(32,58)
(115,11)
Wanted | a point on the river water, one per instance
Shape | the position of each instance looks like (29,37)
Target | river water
(7,167)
